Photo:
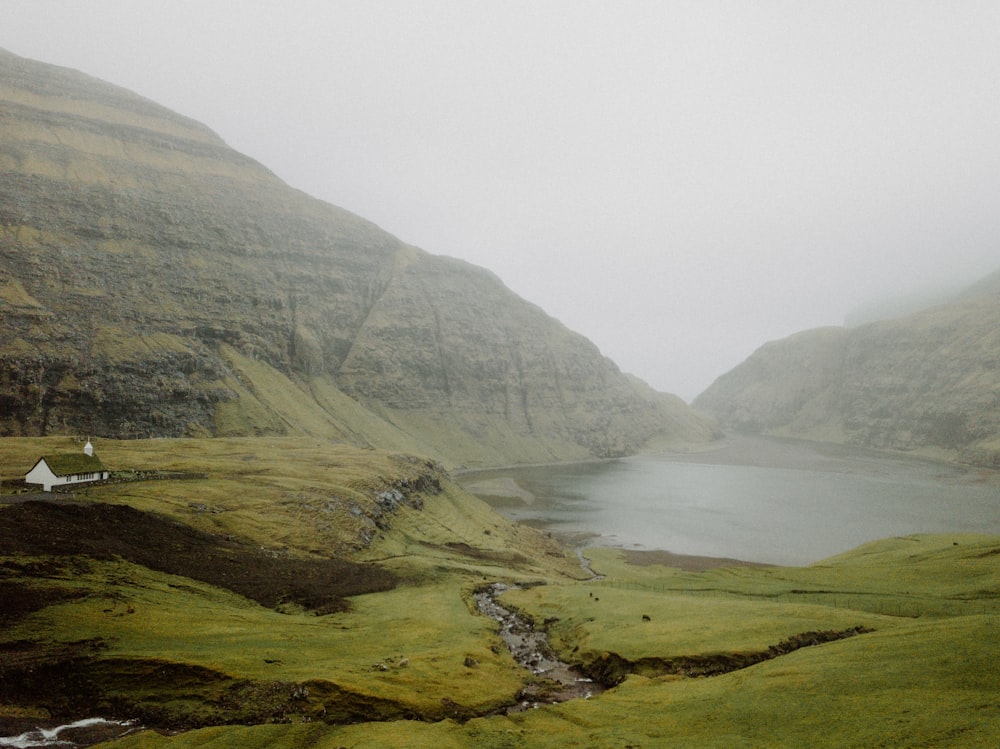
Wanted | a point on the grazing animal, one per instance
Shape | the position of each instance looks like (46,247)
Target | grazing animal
(645,618)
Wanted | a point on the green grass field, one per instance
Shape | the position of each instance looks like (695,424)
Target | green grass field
(929,680)
(913,663)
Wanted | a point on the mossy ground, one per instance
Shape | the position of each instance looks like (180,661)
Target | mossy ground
(919,669)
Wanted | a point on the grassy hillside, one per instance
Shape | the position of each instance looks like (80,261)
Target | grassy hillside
(890,644)
(110,614)
(299,495)
(920,673)
(155,283)
(926,382)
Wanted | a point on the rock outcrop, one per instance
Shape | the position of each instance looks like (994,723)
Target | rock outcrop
(154,282)
(927,382)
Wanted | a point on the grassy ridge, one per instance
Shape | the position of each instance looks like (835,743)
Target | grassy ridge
(309,495)
(401,652)
(105,531)
(97,616)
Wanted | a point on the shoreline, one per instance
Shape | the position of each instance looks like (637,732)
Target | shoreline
(686,562)
(521,495)
(762,450)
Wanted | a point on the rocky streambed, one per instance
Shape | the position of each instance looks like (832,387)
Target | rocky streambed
(556,680)
(77,734)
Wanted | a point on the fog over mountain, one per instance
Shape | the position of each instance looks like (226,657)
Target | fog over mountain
(154,282)
(927,381)
(680,182)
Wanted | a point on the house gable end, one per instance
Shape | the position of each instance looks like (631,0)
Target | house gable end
(38,463)
(41,473)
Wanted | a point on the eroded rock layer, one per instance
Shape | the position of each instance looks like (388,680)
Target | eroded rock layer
(154,282)
(928,382)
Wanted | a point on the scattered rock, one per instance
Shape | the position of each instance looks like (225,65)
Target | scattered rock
(559,681)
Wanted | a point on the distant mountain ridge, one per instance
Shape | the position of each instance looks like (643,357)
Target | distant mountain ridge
(154,282)
(927,382)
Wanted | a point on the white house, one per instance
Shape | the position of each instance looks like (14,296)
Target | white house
(67,468)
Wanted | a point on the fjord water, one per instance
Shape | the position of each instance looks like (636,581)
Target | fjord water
(757,500)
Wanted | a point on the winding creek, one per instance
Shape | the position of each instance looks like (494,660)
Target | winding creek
(530,648)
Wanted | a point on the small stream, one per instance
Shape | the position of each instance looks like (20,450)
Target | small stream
(585,565)
(80,733)
(558,681)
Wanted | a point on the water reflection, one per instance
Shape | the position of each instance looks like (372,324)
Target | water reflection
(811,503)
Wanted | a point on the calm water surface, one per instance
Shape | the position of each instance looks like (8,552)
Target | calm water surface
(804,504)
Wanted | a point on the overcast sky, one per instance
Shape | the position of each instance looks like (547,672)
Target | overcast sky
(678,181)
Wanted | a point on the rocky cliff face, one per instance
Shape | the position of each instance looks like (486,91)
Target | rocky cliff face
(929,382)
(156,282)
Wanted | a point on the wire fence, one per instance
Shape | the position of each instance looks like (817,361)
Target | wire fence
(888,604)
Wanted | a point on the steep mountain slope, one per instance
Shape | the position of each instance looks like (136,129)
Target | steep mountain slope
(154,282)
(929,381)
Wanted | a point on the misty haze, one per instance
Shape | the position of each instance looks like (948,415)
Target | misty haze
(461,374)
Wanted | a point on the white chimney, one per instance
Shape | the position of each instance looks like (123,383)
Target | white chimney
(88,448)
